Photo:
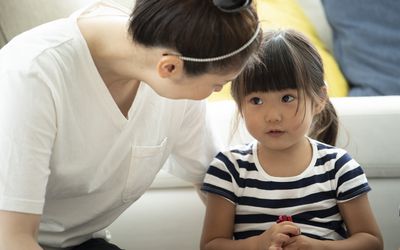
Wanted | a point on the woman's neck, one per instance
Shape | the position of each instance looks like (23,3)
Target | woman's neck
(117,59)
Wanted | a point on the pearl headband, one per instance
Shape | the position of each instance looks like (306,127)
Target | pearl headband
(212,59)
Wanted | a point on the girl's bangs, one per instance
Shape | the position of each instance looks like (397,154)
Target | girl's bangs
(276,72)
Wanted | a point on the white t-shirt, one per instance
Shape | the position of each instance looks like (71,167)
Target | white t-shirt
(66,150)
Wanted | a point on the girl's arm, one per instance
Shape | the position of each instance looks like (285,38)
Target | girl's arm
(364,233)
(202,195)
(219,225)
(18,231)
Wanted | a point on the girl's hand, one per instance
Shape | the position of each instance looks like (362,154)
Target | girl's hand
(301,242)
(277,236)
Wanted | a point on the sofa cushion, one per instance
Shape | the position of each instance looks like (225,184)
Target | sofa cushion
(2,38)
(21,15)
(18,16)
(316,14)
(289,14)
(367,44)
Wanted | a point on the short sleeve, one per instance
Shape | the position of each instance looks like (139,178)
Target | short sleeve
(219,178)
(27,132)
(195,146)
(350,179)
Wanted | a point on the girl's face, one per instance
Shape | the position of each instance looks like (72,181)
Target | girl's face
(278,120)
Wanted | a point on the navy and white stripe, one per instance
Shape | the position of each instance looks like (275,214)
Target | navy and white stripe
(311,198)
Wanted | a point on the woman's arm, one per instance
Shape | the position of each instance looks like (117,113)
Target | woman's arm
(364,233)
(219,225)
(18,231)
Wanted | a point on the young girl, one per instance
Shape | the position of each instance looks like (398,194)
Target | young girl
(281,96)
(87,116)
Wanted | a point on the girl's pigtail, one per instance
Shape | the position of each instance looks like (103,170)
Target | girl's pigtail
(325,125)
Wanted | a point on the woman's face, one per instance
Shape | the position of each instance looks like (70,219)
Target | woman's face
(195,87)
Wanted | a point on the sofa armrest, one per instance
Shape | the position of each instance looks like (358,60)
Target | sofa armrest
(369,131)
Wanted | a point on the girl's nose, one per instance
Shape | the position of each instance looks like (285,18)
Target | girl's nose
(272,115)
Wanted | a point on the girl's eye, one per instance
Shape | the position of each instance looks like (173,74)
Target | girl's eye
(287,98)
(256,100)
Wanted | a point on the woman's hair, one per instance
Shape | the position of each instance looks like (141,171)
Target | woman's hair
(287,60)
(196,28)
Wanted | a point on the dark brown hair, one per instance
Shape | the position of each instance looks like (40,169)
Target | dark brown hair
(195,28)
(288,60)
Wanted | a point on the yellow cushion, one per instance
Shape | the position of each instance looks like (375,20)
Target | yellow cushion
(288,14)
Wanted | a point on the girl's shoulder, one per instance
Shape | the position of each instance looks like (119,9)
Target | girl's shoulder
(242,149)
(326,152)
(323,147)
(332,156)
(236,152)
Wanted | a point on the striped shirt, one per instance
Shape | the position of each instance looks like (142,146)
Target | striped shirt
(311,198)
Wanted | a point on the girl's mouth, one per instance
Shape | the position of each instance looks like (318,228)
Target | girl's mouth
(275,133)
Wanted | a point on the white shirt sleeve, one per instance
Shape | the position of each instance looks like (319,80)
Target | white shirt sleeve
(27,132)
(196,145)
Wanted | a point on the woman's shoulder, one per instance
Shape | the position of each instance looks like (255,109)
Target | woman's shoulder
(35,45)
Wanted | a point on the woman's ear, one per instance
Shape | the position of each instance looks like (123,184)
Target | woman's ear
(170,66)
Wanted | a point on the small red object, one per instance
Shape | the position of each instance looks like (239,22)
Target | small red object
(283,218)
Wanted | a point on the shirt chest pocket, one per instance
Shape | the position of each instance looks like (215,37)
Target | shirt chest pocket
(146,162)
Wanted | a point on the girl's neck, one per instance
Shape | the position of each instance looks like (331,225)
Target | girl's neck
(291,161)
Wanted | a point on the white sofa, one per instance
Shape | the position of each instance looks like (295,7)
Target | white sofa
(169,216)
